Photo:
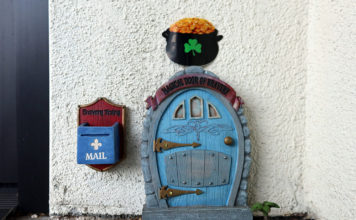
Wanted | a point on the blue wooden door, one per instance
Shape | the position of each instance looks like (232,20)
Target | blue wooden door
(197,116)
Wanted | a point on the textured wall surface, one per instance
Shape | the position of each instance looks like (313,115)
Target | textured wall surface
(330,169)
(115,49)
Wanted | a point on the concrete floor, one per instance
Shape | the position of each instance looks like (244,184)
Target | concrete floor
(36,217)
(125,218)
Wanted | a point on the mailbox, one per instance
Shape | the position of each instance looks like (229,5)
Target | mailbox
(98,145)
(101,126)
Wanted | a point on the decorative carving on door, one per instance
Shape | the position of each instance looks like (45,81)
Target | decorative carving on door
(198,126)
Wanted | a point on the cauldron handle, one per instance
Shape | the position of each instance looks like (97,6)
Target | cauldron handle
(219,37)
(165,34)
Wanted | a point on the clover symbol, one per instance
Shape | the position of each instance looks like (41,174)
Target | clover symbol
(192,45)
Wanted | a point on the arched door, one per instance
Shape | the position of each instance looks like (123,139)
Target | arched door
(197,151)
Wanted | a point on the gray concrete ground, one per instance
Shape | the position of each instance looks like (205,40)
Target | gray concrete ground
(37,217)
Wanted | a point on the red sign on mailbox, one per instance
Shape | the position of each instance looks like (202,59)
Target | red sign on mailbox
(103,113)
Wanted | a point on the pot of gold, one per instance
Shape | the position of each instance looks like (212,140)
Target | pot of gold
(192,41)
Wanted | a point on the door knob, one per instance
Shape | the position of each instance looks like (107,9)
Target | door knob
(228,140)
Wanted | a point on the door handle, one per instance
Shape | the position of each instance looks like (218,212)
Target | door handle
(166,192)
(160,144)
(228,140)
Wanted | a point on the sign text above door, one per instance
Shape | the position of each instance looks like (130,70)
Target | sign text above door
(194,80)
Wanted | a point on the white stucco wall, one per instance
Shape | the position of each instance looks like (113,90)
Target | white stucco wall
(114,49)
(330,169)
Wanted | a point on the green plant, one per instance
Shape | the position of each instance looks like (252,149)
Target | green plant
(264,207)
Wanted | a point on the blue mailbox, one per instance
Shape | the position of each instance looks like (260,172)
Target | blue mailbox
(98,145)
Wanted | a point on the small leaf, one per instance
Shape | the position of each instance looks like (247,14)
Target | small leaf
(193,42)
(270,204)
(187,48)
(266,210)
(256,207)
(198,48)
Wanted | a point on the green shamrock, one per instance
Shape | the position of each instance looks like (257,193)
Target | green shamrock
(192,45)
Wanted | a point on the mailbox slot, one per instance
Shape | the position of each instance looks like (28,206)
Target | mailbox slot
(98,145)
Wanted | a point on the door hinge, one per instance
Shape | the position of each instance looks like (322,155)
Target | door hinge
(166,192)
(160,144)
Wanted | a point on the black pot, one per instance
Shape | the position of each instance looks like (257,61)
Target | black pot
(184,48)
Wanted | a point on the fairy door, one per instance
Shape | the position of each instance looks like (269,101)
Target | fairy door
(197,150)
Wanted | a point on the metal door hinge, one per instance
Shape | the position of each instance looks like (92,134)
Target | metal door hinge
(166,192)
(160,144)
